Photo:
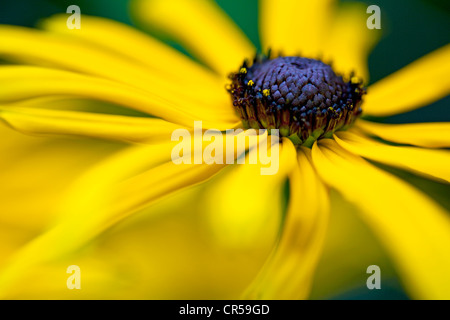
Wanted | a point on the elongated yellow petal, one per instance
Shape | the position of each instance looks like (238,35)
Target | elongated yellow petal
(295,26)
(317,29)
(36,171)
(350,41)
(147,52)
(161,253)
(107,194)
(289,271)
(412,227)
(243,206)
(201,27)
(23,82)
(432,163)
(428,135)
(103,126)
(37,47)
(142,189)
(83,214)
(416,85)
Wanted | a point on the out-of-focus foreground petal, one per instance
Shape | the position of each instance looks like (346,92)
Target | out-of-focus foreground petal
(81,213)
(288,273)
(164,252)
(243,206)
(37,172)
(416,85)
(107,194)
(414,229)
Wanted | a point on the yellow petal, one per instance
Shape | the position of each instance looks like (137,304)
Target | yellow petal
(161,253)
(244,207)
(350,41)
(289,271)
(37,47)
(37,171)
(23,82)
(110,192)
(141,48)
(103,126)
(414,230)
(200,26)
(350,247)
(295,26)
(144,186)
(84,214)
(428,135)
(431,163)
(416,85)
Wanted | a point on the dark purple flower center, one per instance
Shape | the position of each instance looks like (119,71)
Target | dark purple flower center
(301,97)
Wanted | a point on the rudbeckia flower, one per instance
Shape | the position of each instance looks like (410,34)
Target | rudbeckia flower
(311,88)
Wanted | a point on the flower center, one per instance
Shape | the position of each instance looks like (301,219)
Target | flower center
(301,97)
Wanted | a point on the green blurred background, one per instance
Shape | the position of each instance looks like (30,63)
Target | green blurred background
(411,29)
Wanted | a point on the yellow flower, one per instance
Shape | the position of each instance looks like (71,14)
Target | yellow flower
(60,69)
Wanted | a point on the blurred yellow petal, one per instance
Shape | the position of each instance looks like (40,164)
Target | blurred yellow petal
(295,26)
(318,29)
(131,261)
(288,273)
(412,227)
(416,85)
(140,191)
(200,26)
(103,126)
(243,206)
(37,172)
(82,214)
(24,82)
(428,135)
(38,47)
(431,163)
(350,41)
(110,192)
(348,236)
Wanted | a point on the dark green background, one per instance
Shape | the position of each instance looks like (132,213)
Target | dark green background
(411,29)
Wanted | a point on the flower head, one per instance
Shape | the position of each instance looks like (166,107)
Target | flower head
(326,146)
(302,97)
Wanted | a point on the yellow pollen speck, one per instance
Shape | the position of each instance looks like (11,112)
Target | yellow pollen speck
(243,71)
(355,80)
(250,83)
(266,92)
